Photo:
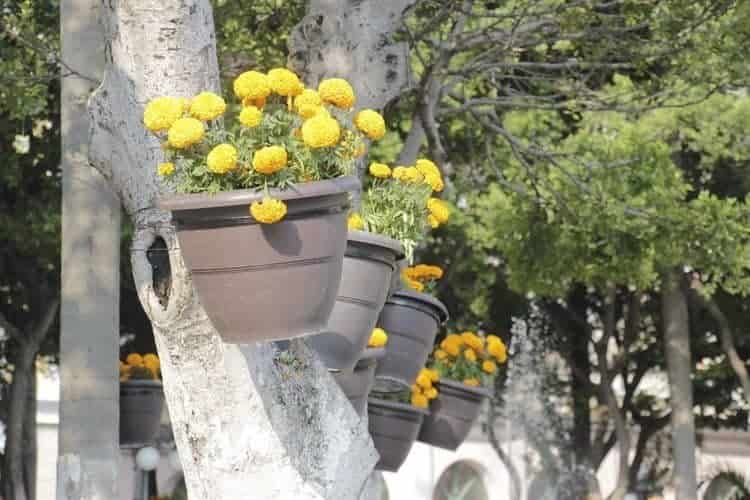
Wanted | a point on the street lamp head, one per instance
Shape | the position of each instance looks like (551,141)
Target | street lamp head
(147,458)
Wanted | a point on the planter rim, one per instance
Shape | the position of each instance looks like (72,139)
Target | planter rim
(367,238)
(142,383)
(372,353)
(409,297)
(394,405)
(313,189)
(460,386)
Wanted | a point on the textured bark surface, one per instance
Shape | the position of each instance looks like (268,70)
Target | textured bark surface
(679,368)
(246,418)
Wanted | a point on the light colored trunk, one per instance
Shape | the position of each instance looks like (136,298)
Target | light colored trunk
(244,419)
(679,368)
(89,318)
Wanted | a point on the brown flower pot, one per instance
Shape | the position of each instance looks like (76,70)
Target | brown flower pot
(368,266)
(357,383)
(411,320)
(452,414)
(262,282)
(393,428)
(141,403)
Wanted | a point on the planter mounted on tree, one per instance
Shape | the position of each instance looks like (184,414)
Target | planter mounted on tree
(262,282)
(452,414)
(141,403)
(357,383)
(393,428)
(369,263)
(411,320)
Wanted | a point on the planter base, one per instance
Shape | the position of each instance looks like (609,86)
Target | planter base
(393,428)
(141,403)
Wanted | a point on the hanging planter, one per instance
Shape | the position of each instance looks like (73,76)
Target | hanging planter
(369,263)
(411,320)
(261,282)
(357,383)
(393,427)
(452,414)
(141,403)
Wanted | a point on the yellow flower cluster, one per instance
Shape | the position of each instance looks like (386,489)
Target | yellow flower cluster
(162,112)
(137,367)
(338,92)
(407,174)
(371,123)
(378,338)
(251,116)
(424,388)
(416,277)
(222,159)
(439,211)
(207,106)
(308,103)
(252,85)
(468,356)
(185,132)
(321,131)
(380,170)
(284,82)
(165,169)
(270,159)
(268,211)
(355,222)
(431,173)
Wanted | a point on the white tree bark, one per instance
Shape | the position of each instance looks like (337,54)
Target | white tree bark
(246,418)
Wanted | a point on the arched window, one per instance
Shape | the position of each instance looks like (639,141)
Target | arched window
(464,479)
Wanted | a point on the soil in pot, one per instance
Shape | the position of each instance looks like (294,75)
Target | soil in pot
(369,263)
(357,383)
(393,427)
(260,282)
(452,414)
(412,320)
(141,404)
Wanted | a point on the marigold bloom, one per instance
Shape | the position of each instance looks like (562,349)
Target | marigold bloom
(268,211)
(497,350)
(438,209)
(431,393)
(338,92)
(222,159)
(270,159)
(419,400)
(134,359)
(432,221)
(252,84)
(370,123)
(321,131)
(380,170)
(161,113)
(440,354)
(378,338)
(251,116)
(470,355)
(207,106)
(165,169)
(489,366)
(433,374)
(185,132)
(308,103)
(284,82)
(355,221)
(435,182)
(423,380)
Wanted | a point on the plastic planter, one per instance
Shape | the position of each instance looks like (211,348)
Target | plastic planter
(357,383)
(452,414)
(260,282)
(411,320)
(141,403)
(369,263)
(393,428)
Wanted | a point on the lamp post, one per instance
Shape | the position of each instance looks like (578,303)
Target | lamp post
(146,460)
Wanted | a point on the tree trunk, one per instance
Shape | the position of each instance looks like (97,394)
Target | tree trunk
(679,368)
(515,477)
(243,421)
(29,437)
(14,453)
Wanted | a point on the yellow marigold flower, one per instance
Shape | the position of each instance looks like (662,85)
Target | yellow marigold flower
(423,380)
(258,103)
(427,167)
(452,349)
(473,381)
(207,106)
(433,222)
(473,340)
(270,159)
(251,116)
(268,211)
(253,85)
(440,354)
(470,355)
(431,393)
(399,173)
(222,159)
(415,389)
(414,284)
(370,123)
(355,221)
(433,374)
(284,82)
(489,366)
(380,170)
(165,169)
(150,359)
(438,209)
(185,132)
(378,338)
(338,92)
(161,113)
(420,400)
(321,131)
(308,103)
(134,359)
(425,272)
(498,351)
(435,182)
(411,174)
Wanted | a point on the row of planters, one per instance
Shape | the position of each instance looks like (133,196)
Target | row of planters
(261,197)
